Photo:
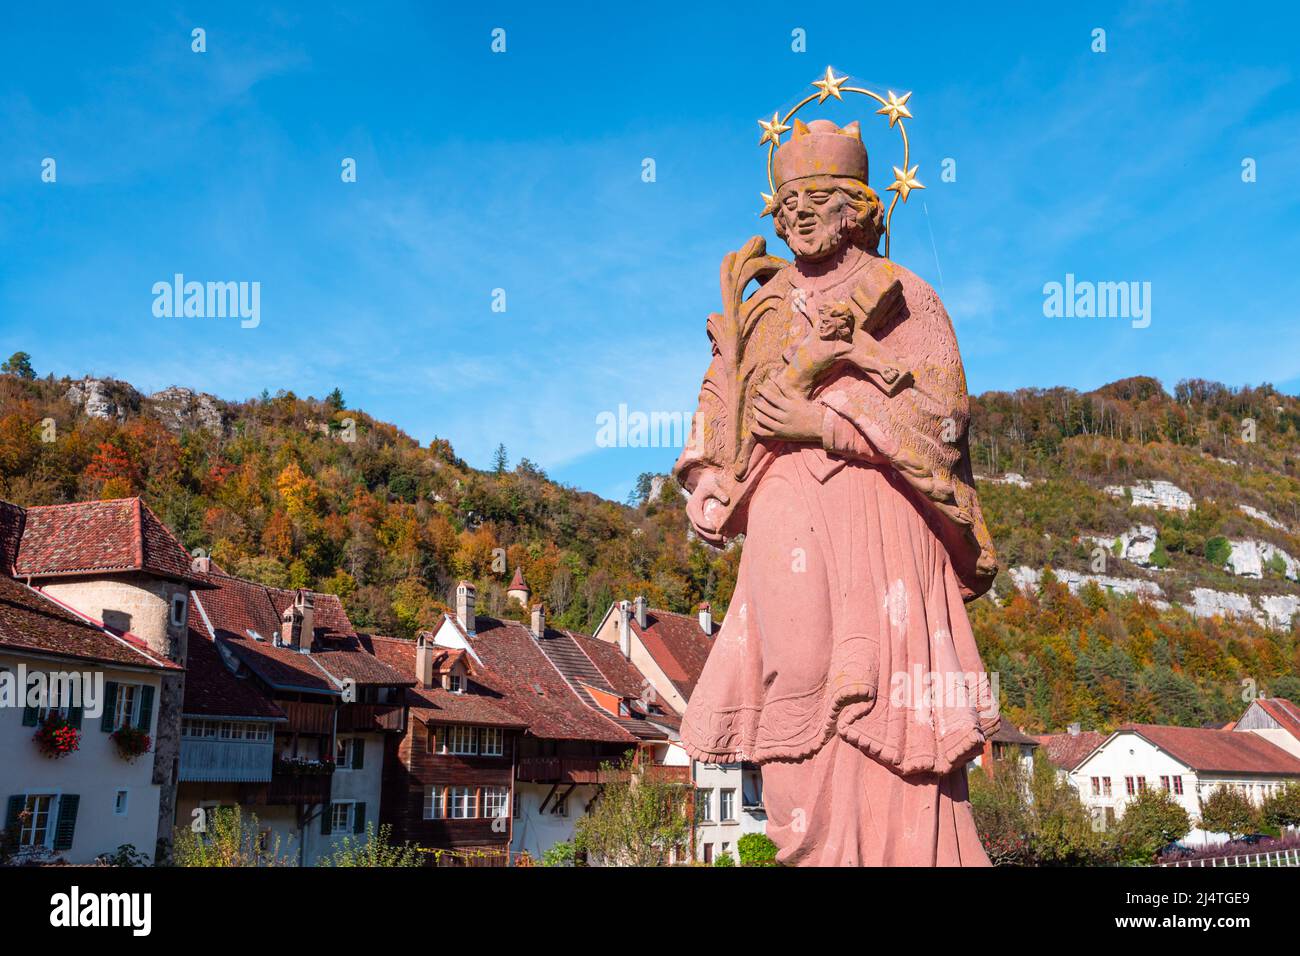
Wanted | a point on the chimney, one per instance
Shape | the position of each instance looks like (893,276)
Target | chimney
(1073,730)
(625,628)
(706,618)
(465,595)
(424,654)
(306,600)
(203,565)
(298,622)
(539,621)
(640,612)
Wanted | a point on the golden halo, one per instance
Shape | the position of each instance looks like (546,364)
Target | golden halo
(892,106)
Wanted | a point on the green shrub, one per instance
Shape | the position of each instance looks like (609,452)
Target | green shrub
(756,849)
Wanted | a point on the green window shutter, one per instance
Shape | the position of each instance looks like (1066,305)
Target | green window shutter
(358,753)
(16,804)
(110,701)
(63,830)
(146,707)
(29,716)
(74,716)
(325,814)
(359,818)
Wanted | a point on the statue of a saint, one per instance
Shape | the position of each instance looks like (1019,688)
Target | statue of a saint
(834,418)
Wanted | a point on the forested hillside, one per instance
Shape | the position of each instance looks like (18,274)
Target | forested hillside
(307,492)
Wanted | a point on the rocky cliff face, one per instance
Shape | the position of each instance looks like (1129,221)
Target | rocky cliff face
(183,408)
(103,398)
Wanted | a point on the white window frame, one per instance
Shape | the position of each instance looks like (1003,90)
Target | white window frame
(456,683)
(435,802)
(344,763)
(500,796)
(51,819)
(727,814)
(457,737)
(122,802)
(561,806)
(493,743)
(704,798)
(120,716)
(464,803)
(350,813)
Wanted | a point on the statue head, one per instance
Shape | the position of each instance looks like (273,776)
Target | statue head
(822,199)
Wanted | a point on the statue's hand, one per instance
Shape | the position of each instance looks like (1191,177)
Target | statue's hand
(706,500)
(780,412)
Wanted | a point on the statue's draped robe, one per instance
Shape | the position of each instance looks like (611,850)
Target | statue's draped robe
(846,664)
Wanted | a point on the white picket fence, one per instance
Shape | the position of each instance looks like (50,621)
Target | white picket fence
(1273,858)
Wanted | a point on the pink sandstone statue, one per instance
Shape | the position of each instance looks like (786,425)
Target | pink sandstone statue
(831,433)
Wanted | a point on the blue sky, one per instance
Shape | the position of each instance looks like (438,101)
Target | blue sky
(522,171)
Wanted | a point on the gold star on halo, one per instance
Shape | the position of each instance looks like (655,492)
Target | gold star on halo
(768,206)
(772,131)
(830,85)
(896,107)
(905,182)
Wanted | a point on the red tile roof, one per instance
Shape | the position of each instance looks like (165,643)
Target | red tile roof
(100,537)
(627,680)
(480,704)
(536,690)
(517,582)
(1284,712)
(212,690)
(1068,750)
(239,612)
(678,646)
(36,623)
(1219,751)
(1009,733)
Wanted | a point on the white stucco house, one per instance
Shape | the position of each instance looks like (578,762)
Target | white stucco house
(1188,762)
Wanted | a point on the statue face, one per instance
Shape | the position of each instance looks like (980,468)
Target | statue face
(814,216)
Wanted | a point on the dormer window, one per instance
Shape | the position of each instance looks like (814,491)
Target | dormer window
(456,683)
(180,604)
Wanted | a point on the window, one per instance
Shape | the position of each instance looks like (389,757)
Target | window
(461,740)
(704,805)
(36,828)
(180,602)
(119,803)
(561,807)
(456,683)
(1096,786)
(462,803)
(494,801)
(493,742)
(518,804)
(341,817)
(343,753)
(1142,784)
(1178,785)
(1110,817)
(1105,786)
(125,703)
(258,732)
(435,803)
(728,809)
(1128,786)
(725,849)
(1164,784)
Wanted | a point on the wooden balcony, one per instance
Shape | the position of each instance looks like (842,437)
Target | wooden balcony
(587,770)
(298,790)
(305,718)
(371,718)
(210,760)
